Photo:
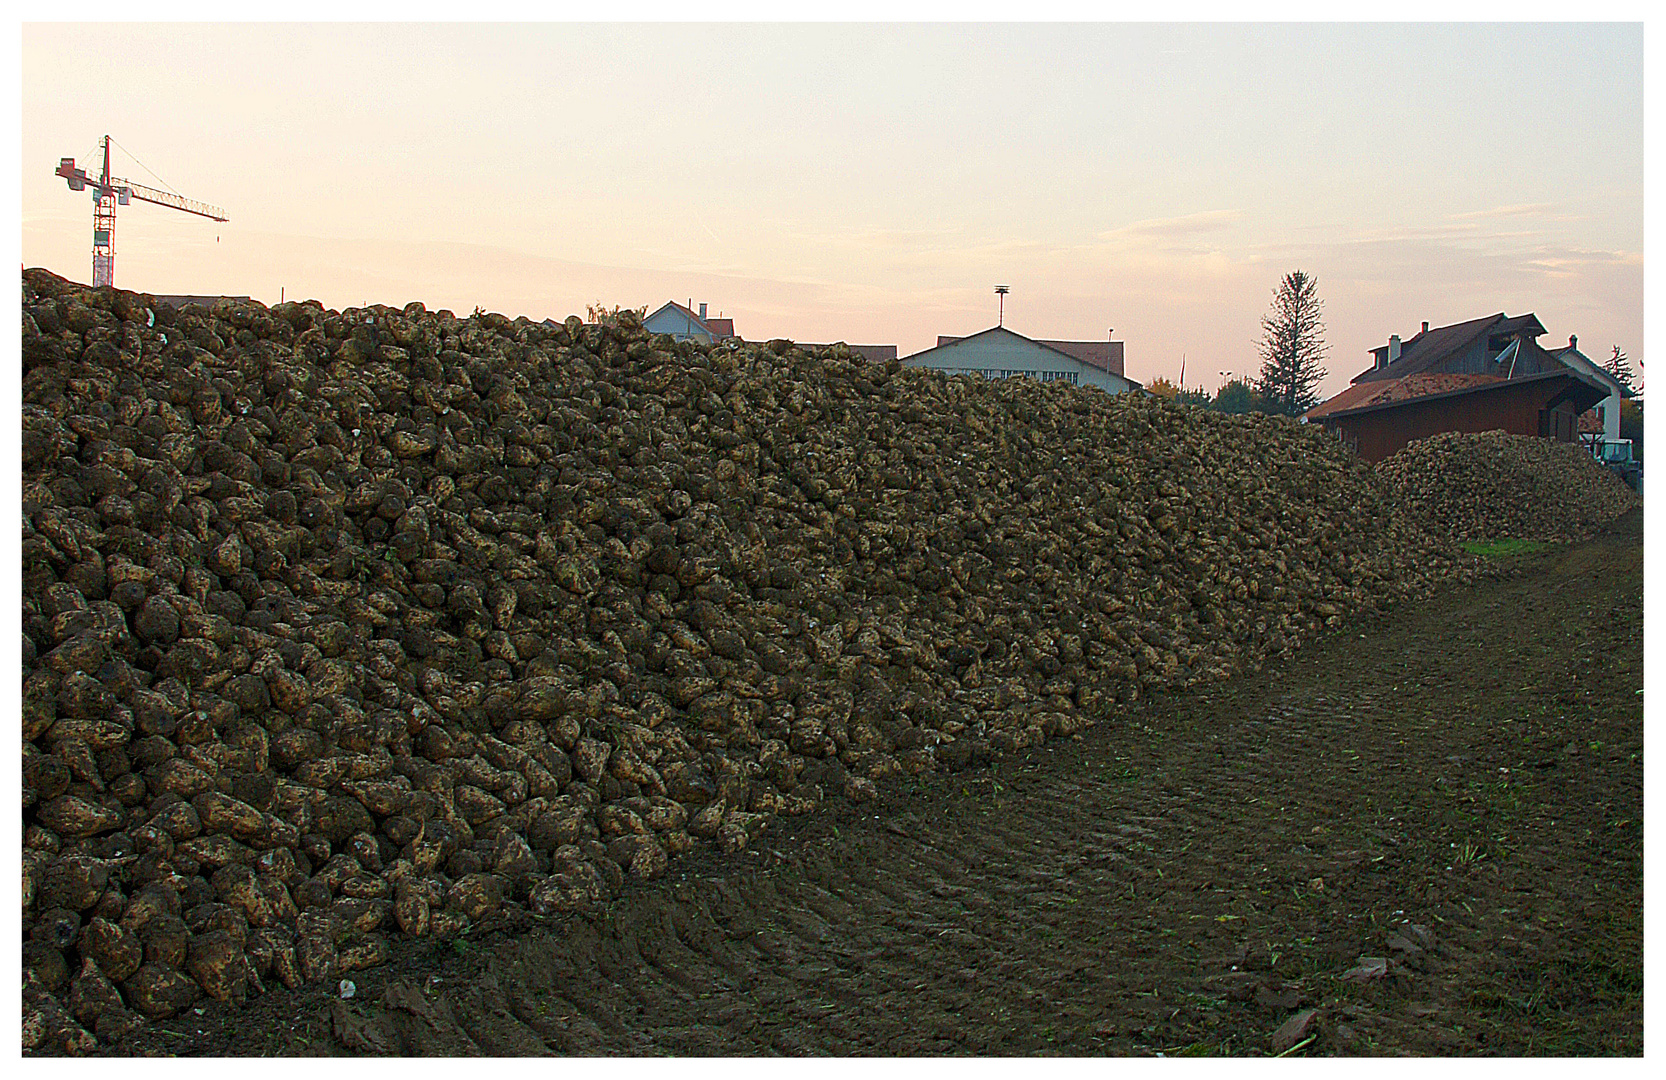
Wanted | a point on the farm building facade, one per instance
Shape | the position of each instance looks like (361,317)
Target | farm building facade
(999,353)
(1482,375)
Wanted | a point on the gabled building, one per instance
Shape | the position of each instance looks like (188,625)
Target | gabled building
(999,353)
(1481,375)
(684,324)
(1603,421)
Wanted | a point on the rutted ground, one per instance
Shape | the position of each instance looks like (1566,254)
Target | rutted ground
(1421,835)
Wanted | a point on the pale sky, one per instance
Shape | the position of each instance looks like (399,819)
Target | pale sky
(872,183)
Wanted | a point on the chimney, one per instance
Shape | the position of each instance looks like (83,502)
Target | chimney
(1425,326)
(1393,347)
(702,312)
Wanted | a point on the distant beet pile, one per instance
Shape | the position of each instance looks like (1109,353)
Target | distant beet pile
(1492,486)
(344,626)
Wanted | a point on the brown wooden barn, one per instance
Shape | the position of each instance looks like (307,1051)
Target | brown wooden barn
(1483,375)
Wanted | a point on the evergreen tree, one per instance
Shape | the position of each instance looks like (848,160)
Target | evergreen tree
(1619,366)
(1292,346)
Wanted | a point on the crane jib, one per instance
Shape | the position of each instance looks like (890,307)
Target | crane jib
(168,198)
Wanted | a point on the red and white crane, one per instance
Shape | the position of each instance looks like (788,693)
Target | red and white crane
(110,192)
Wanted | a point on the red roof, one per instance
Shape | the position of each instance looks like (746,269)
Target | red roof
(1364,394)
(1482,384)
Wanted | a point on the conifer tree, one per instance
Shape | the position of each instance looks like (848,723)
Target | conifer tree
(1619,366)
(1292,347)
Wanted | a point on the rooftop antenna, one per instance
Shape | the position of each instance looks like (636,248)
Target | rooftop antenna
(1001,291)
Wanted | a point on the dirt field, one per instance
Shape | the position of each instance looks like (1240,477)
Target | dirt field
(1421,836)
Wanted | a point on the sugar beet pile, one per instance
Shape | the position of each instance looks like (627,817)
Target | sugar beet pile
(345,626)
(1492,485)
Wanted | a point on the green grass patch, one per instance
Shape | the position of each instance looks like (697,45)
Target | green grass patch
(1498,549)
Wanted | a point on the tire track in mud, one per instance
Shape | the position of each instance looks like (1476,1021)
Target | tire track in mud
(1187,877)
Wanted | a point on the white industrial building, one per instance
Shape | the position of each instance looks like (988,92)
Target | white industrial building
(999,353)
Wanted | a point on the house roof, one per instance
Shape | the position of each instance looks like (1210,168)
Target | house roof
(1428,348)
(1096,354)
(1571,356)
(1528,321)
(717,328)
(1365,394)
(1489,385)
(950,343)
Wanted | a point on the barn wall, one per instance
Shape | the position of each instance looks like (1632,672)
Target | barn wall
(1376,435)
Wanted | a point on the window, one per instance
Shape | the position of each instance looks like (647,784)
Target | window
(1015,373)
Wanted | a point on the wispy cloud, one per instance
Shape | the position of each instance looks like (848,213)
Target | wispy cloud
(1171,228)
(1574,263)
(1518,210)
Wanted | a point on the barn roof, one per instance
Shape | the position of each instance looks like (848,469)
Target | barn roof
(1364,394)
(1429,347)
(1590,394)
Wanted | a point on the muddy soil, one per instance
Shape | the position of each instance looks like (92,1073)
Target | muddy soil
(1423,835)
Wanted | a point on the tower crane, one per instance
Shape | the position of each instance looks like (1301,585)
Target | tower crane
(110,192)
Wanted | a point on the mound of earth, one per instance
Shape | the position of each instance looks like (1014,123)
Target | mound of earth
(341,626)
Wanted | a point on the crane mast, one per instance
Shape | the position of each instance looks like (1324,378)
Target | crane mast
(104,228)
(110,192)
